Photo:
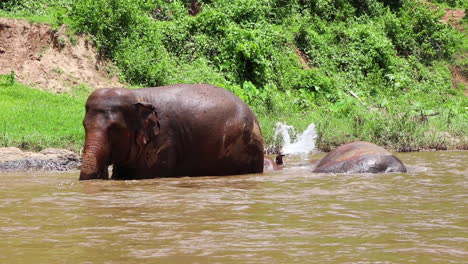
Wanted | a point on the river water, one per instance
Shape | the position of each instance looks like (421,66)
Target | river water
(286,216)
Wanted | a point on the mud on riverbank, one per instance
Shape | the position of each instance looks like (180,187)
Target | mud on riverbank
(51,59)
(14,159)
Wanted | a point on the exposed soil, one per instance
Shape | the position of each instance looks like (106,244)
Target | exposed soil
(302,58)
(453,18)
(13,159)
(460,76)
(51,60)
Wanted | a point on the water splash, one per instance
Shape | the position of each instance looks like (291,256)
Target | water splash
(301,144)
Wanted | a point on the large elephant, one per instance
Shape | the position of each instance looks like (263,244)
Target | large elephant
(176,130)
(359,157)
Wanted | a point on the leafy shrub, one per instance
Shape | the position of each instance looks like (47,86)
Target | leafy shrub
(147,65)
(198,71)
(417,31)
(109,21)
(32,7)
(453,3)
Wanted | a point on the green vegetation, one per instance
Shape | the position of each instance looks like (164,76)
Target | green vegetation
(462,4)
(39,11)
(374,70)
(32,119)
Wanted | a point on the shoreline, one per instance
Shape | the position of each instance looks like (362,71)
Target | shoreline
(13,159)
(50,159)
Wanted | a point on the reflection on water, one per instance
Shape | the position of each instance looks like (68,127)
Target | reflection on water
(285,216)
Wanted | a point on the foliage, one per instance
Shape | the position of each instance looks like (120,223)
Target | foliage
(453,3)
(32,7)
(41,11)
(255,41)
(349,61)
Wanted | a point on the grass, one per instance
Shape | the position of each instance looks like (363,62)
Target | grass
(398,126)
(51,11)
(33,119)
(49,19)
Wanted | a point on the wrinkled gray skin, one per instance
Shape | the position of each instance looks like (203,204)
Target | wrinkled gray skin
(177,130)
(359,157)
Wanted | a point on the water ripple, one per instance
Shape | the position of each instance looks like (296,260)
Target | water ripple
(284,216)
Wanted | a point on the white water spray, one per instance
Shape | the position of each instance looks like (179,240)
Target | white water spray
(303,144)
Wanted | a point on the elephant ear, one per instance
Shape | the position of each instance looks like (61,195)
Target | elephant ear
(149,123)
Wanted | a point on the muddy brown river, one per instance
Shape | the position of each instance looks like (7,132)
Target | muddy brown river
(287,216)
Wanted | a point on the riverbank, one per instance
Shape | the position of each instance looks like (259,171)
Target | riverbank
(14,159)
(61,160)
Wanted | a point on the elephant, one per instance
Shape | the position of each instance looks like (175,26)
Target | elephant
(169,131)
(359,157)
(272,165)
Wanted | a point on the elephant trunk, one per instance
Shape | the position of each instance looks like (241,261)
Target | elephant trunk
(95,157)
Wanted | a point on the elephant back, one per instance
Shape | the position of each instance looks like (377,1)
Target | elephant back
(359,157)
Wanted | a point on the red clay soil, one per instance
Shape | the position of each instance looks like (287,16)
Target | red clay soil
(302,58)
(453,18)
(47,59)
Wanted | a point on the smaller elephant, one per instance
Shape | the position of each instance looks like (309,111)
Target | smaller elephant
(272,165)
(359,157)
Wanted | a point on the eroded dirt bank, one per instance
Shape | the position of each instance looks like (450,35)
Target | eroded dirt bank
(50,59)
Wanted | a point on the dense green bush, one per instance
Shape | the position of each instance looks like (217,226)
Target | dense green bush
(109,21)
(453,3)
(362,42)
(32,7)
(143,54)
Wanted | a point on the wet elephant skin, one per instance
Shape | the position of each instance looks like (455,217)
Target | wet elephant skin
(272,165)
(176,130)
(359,157)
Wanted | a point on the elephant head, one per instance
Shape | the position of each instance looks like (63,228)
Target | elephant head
(117,127)
(279,158)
